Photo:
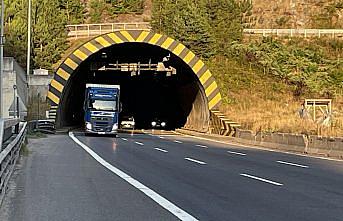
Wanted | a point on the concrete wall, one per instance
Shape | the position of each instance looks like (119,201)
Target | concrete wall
(14,75)
(39,84)
(316,145)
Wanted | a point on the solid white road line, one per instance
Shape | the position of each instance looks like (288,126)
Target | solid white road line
(139,143)
(198,145)
(195,161)
(177,141)
(237,153)
(159,149)
(261,179)
(124,139)
(166,204)
(292,164)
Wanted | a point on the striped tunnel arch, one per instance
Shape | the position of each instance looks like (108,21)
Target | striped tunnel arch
(74,60)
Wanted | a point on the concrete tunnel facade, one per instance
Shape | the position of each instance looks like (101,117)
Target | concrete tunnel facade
(187,98)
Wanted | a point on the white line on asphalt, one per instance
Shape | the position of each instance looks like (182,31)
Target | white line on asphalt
(195,161)
(237,153)
(177,141)
(139,143)
(198,145)
(166,204)
(261,179)
(292,164)
(159,149)
(161,137)
(124,139)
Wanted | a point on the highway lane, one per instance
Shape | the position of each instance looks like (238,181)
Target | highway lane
(60,182)
(212,182)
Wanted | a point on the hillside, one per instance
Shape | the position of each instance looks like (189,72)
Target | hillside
(263,81)
(297,14)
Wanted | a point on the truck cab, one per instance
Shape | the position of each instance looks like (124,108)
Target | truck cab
(102,107)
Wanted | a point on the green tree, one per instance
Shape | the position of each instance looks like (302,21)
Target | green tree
(48,32)
(226,21)
(187,22)
(74,10)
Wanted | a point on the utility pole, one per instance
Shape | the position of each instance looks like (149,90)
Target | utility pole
(28,39)
(2,41)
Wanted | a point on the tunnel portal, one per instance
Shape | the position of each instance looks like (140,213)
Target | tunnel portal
(158,76)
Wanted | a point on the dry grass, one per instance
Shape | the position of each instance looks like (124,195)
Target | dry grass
(262,103)
(281,115)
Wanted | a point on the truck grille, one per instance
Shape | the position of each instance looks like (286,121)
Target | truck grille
(102,124)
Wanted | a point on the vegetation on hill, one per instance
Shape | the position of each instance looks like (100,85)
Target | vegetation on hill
(262,81)
(49,18)
(102,10)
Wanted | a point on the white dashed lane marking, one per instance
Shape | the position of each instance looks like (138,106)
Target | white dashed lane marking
(124,139)
(139,143)
(177,141)
(237,153)
(261,179)
(161,150)
(292,164)
(198,145)
(195,161)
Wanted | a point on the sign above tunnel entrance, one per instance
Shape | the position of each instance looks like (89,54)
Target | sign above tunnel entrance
(81,54)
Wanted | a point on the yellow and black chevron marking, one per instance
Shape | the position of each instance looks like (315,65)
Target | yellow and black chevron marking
(222,125)
(70,64)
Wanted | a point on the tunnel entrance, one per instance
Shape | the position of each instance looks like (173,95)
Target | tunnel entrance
(156,81)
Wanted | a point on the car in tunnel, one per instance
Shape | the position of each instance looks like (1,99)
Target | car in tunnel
(159,123)
(127,122)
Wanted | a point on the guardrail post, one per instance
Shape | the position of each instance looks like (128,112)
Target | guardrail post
(88,31)
(16,128)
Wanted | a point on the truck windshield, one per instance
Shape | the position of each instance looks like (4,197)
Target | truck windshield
(104,105)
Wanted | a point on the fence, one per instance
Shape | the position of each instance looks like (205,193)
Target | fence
(90,30)
(10,153)
(305,33)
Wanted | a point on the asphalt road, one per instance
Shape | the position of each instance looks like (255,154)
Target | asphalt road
(205,179)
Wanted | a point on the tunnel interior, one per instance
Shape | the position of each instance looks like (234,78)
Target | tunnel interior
(175,97)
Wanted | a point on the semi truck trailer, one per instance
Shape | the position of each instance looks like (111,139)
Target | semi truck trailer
(102,107)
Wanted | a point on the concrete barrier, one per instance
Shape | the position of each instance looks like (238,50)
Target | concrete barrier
(298,143)
(327,146)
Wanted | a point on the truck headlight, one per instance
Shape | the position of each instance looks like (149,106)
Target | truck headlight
(153,123)
(115,127)
(163,124)
(88,126)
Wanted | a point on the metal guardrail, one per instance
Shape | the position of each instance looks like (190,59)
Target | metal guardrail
(10,154)
(305,33)
(90,30)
